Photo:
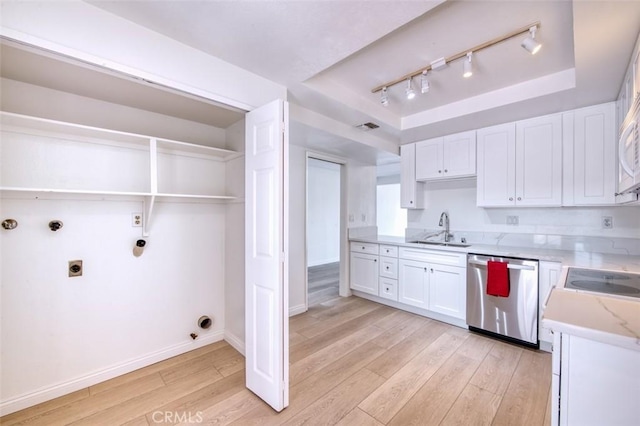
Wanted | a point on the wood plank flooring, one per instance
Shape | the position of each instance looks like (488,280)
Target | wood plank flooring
(353,362)
(323,283)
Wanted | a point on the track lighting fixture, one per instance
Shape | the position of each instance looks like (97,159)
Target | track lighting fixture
(467,67)
(466,55)
(530,42)
(424,83)
(384,98)
(410,92)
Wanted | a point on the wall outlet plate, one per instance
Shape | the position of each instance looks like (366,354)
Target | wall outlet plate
(136,219)
(512,220)
(607,222)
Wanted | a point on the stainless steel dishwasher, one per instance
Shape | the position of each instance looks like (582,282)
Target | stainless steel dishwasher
(513,318)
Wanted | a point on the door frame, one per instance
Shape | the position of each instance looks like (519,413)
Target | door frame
(344,290)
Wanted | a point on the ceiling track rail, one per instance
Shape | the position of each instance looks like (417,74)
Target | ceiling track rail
(459,55)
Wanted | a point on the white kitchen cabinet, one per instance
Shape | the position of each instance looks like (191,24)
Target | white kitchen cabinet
(496,185)
(589,158)
(413,283)
(364,272)
(539,161)
(594,383)
(549,274)
(448,290)
(411,191)
(520,164)
(446,157)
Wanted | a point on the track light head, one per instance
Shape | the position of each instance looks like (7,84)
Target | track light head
(384,97)
(424,83)
(467,67)
(530,42)
(409,91)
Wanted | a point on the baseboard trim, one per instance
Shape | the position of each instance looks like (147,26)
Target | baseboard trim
(235,342)
(50,392)
(296,310)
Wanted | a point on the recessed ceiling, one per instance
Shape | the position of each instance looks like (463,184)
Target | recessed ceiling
(456,27)
(330,54)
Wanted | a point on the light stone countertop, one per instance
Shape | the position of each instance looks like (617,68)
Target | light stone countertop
(581,259)
(608,319)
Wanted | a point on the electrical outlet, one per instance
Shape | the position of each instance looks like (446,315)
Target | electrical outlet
(512,220)
(607,222)
(136,219)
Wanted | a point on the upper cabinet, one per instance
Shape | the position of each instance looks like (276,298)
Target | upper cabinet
(411,192)
(446,157)
(520,164)
(589,157)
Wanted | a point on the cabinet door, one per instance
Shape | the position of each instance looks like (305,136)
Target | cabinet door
(496,166)
(413,283)
(599,383)
(429,159)
(459,154)
(539,161)
(594,159)
(549,275)
(448,290)
(364,272)
(411,192)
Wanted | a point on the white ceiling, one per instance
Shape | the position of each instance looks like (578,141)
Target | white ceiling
(330,54)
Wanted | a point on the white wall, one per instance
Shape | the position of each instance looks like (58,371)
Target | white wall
(361,182)
(234,241)
(459,199)
(61,334)
(323,212)
(297,237)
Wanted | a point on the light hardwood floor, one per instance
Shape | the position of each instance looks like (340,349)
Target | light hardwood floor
(353,362)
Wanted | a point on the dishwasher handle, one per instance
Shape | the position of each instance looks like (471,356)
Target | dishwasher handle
(509,266)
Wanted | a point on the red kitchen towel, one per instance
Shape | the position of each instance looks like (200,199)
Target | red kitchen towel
(497,279)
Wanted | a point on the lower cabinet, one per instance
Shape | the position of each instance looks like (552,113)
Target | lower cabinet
(364,272)
(594,383)
(433,281)
(435,287)
(448,290)
(413,281)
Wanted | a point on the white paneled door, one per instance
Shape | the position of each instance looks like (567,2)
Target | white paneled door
(266,246)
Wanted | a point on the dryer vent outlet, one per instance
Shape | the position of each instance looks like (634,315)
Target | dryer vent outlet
(75,268)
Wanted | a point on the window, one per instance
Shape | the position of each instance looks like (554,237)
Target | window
(392,220)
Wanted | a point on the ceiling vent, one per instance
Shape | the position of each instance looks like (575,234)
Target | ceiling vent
(367,126)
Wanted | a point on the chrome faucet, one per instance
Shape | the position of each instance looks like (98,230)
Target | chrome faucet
(444,220)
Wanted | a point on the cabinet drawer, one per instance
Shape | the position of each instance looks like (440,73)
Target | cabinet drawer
(388,289)
(369,248)
(389,251)
(432,256)
(389,267)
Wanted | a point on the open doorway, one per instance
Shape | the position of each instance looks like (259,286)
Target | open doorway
(323,230)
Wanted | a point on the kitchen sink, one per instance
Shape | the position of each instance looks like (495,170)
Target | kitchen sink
(442,243)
